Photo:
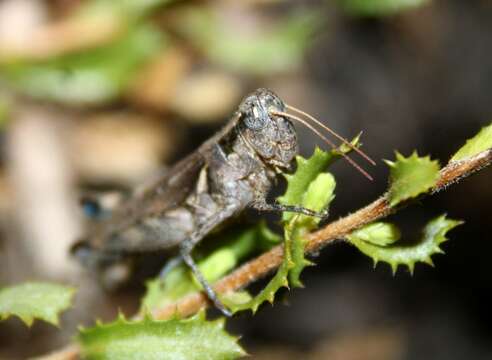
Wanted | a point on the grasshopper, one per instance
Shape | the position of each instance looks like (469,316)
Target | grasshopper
(233,170)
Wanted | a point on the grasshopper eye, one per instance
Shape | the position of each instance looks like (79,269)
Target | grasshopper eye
(256,119)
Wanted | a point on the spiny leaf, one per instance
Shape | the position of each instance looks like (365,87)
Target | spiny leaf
(378,233)
(434,234)
(31,301)
(379,7)
(180,281)
(194,338)
(480,142)
(410,177)
(268,293)
(299,261)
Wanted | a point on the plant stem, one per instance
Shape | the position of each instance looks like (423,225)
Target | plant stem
(271,260)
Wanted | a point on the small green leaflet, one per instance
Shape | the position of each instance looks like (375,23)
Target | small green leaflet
(411,176)
(236,245)
(378,233)
(379,7)
(31,301)
(174,339)
(434,234)
(480,142)
(313,189)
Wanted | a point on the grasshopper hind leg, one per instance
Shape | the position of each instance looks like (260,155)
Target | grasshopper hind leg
(185,251)
(228,209)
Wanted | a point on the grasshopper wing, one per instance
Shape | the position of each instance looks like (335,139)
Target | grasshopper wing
(163,195)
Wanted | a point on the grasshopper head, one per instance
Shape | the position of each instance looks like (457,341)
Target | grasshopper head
(272,137)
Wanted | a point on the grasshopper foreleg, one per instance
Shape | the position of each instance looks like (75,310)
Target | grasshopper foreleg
(264,206)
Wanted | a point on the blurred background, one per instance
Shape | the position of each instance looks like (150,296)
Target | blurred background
(101,95)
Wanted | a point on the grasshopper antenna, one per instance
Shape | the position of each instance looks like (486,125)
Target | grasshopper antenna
(345,141)
(329,142)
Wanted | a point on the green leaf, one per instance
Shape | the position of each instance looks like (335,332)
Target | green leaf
(480,142)
(379,7)
(378,233)
(410,177)
(237,244)
(278,48)
(297,233)
(194,338)
(31,301)
(434,234)
(91,77)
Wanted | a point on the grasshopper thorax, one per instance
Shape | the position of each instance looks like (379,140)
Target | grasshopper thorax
(272,137)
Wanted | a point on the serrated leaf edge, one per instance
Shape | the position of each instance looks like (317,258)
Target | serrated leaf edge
(396,255)
(55,320)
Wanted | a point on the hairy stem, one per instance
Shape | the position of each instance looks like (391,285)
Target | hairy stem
(271,260)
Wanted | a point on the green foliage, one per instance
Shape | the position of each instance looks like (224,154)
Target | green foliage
(379,7)
(31,301)
(310,188)
(434,234)
(279,48)
(194,338)
(4,111)
(378,233)
(125,9)
(410,177)
(237,244)
(90,77)
(480,142)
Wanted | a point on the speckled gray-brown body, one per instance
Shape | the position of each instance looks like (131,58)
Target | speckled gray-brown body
(233,170)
